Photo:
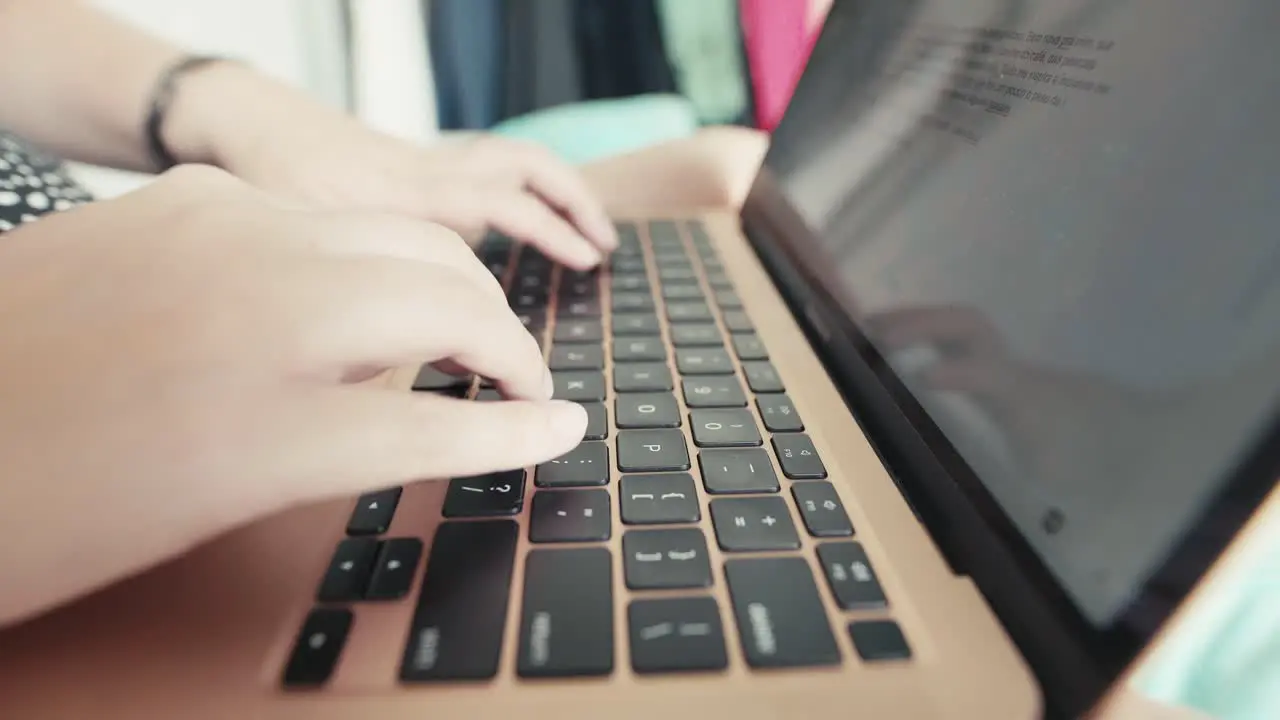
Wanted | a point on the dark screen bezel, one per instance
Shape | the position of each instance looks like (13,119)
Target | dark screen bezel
(1074,660)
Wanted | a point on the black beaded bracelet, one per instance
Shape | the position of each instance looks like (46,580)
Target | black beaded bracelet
(161,99)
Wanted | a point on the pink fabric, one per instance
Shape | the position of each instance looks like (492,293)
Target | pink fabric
(778,35)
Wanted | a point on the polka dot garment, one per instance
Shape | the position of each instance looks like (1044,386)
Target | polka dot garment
(33,184)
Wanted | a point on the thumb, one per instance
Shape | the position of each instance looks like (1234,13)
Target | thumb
(357,439)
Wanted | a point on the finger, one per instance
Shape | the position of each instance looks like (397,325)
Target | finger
(565,189)
(357,311)
(360,439)
(525,217)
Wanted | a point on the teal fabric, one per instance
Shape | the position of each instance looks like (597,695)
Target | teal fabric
(595,129)
(704,41)
(1225,660)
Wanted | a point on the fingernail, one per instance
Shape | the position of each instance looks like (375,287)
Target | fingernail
(569,418)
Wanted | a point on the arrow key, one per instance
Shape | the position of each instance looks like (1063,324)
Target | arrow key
(396,567)
(349,570)
(373,512)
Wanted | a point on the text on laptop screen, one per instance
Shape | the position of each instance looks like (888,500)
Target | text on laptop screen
(1057,221)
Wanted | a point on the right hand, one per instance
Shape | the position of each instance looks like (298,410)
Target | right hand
(177,362)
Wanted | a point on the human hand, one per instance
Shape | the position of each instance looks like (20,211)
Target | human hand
(176,362)
(301,150)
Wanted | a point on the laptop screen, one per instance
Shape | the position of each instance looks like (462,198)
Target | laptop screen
(1056,222)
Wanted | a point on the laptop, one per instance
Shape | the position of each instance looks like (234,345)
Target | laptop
(952,420)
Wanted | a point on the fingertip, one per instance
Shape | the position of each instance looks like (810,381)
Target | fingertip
(568,419)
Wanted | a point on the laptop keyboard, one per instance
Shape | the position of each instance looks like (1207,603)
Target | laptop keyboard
(662,323)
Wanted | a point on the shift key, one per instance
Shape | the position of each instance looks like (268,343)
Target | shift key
(566,625)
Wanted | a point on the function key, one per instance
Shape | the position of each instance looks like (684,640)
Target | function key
(317,648)
(778,413)
(641,377)
(396,567)
(724,428)
(879,640)
(780,618)
(584,466)
(681,292)
(632,302)
(821,509)
(652,451)
(494,495)
(849,573)
(576,356)
(373,512)
(696,335)
(703,361)
(676,635)
(712,392)
(683,312)
(630,283)
(456,631)
(665,559)
(749,347)
(566,621)
(658,499)
(798,457)
(578,386)
(738,322)
(579,331)
(753,524)
(349,570)
(728,300)
(597,421)
(570,516)
(736,472)
(639,349)
(646,410)
(635,324)
(762,377)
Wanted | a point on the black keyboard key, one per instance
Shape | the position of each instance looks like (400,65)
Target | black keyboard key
(737,472)
(499,494)
(696,335)
(566,622)
(849,574)
(373,512)
(579,386)
(535,321)
(347,577)
(639,349)
(672,274)
(580,289)
(317,648)
(703,361)
(719,280)
(636,325)
(713,392)
(584,466)
(879,640)
(456,631)
(652,451)
(665,559)
(676,635)
(627,264)
(576,356)
(430,379)
(664,232)
(780,618)
(778,413)
(570,516)
(641,377)
(630,283)
(658,499)
(681,292)
(579,331)
(578,308)
(526,300)
(683,312)
(646,410)
(798,458)
(671,258)
(728,299)
(724,428)
(753,524)
(821,510)
(628,233)
(489,395)
(749,347)
(597,421)
(738,322)
(762,377)
(698,232)
(395,569)
(632,303)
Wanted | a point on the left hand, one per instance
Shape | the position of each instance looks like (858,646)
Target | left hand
(303,151)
